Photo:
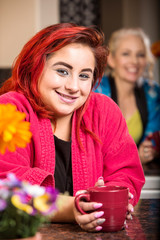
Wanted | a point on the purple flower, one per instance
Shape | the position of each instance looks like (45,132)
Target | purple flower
(11,181)
(46,203)
(52,192)
(4,192)
(3,204)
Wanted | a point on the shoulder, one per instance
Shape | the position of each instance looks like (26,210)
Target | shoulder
(151,89)
(17,99)
(100,98)
(102,105)
(104,117)
(13,96)
(104,86)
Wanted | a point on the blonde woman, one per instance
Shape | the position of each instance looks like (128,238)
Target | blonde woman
(129,83)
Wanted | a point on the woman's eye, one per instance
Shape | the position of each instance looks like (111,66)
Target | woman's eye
(125,53)
(62,71)
(84,76)
(142,55)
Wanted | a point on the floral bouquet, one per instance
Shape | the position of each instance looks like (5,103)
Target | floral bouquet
(24,207)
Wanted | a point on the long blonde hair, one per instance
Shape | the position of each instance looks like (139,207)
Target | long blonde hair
(120,34)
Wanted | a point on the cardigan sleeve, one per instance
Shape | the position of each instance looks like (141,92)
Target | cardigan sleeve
(122,165)
(19,163)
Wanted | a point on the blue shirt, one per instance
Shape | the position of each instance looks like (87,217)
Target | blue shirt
(152,94)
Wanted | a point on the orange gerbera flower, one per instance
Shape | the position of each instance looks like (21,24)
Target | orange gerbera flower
(14,131)
(155,48)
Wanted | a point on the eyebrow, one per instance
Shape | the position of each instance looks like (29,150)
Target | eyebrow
(64,64)
(70,67)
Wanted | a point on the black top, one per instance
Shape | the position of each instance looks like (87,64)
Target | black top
(63,168)
(140,101)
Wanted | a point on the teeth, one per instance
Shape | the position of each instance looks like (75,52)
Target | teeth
(65,96)
(132,70)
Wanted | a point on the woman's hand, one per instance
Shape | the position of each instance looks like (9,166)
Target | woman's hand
(146,152)
(91,221)
(130,207)
(100,182)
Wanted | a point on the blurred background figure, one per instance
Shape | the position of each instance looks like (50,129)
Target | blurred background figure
(129,82)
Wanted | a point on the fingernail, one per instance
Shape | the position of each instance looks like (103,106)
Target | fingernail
(132,210)
(97,205)
(132,196)
(100,221)
(131,217)
(98,228)
(98,214)
(100,178)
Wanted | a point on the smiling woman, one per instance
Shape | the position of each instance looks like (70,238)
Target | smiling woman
(66,80)
(79,138)
(129,82)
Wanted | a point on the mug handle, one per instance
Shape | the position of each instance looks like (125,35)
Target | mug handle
(78,198)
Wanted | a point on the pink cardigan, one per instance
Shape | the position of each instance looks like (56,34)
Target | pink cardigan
(116,158)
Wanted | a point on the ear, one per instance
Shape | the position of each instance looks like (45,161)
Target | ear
(111,62)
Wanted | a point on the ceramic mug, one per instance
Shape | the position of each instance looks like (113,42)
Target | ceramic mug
(115,203)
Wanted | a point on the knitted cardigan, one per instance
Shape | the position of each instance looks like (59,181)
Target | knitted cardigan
(115,157)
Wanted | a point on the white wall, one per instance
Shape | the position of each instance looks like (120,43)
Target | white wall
(19,21)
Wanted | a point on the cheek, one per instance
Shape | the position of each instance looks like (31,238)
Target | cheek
(49,82)
(86,88)
(119,63)
(143,64)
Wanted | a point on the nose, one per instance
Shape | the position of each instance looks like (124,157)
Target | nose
(72,84)
(134,59)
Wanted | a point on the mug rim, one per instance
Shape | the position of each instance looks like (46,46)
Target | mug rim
(111,188)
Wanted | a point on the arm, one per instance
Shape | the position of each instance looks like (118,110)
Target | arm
(65,211)
(153,105)
(146,150)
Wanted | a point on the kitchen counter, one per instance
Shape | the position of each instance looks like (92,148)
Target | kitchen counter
(143,226)
(151,188)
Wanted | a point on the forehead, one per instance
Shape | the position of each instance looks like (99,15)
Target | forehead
(72,49)
(78,56)
(131,42)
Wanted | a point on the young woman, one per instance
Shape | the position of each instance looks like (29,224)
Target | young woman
(129,83)
(80,138)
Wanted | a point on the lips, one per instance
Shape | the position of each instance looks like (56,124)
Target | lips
(66,98)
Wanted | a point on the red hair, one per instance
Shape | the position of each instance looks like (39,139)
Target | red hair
(30,62)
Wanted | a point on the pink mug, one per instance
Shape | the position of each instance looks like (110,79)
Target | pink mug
(115,203)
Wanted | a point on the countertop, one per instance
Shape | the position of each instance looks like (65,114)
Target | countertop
(143,226)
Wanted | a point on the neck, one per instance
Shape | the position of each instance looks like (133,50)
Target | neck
(124,88)
(126,98)
(63,128)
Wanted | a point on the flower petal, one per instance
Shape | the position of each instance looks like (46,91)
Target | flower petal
(16,201)
(14,130)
